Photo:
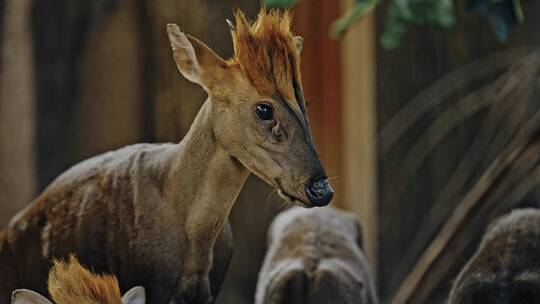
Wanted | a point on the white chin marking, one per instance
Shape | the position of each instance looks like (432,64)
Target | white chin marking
(285,197)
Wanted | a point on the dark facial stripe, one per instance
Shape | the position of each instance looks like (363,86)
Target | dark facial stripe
(300,100)
(297,90)
(287,105)
(302,117)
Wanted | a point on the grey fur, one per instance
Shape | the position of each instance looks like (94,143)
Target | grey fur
(315,256)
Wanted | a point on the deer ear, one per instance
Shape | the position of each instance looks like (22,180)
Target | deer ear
(135,295)
(196,61)
(25,296)
(298,42)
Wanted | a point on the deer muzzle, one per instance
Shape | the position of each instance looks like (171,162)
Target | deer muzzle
(319,192)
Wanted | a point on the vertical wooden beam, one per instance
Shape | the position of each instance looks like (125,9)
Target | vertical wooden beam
(359,180)
(17,113)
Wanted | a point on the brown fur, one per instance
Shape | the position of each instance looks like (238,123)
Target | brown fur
(265,52)
(506,267)
(70,283)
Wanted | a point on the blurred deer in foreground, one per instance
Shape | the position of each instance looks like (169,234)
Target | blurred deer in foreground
(315,256)
(70,283)
(506,267)
(156,215)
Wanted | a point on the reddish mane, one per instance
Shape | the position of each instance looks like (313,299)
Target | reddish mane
(69,283)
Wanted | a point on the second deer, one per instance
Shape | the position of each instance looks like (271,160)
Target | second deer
(71,283)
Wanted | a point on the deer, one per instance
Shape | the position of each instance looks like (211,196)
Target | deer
(69,282)
(156,215)
(505,269)
(315,256)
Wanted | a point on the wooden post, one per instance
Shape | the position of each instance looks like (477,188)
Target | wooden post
(359,124)
(17,113)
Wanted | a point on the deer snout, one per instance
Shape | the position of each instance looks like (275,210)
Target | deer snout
(319,192)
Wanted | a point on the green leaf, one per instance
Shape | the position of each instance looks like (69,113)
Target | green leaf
(426,12)
(279,3)
(518,11)
(359,8)
(395,27)
(403,13)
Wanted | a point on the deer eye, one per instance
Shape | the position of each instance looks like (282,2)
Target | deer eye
(264,111)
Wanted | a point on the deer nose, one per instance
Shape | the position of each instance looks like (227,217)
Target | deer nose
(319,192)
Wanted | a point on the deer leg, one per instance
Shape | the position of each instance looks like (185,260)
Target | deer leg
(223,250)
(205,270)
(194,284)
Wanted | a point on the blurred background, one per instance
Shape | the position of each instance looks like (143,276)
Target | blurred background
(427,137)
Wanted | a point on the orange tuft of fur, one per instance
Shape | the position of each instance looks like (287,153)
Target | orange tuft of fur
(70,283)
(266,54)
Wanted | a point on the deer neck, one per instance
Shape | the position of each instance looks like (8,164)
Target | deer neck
(204,179)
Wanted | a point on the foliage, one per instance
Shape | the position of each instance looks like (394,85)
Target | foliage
(403,13)
(279,3)
(358,9)
(400,14)
(501,14)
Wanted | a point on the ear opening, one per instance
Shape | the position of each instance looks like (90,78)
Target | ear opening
(196,61)
(135,295)
(25,296)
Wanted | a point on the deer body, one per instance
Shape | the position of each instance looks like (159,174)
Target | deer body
(155,215)
(119,211)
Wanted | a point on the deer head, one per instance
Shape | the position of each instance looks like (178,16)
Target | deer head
(71,283)
(258,110)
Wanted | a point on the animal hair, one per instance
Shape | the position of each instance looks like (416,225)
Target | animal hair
(266,54)
(70,282)
(506,266)
(315,256)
